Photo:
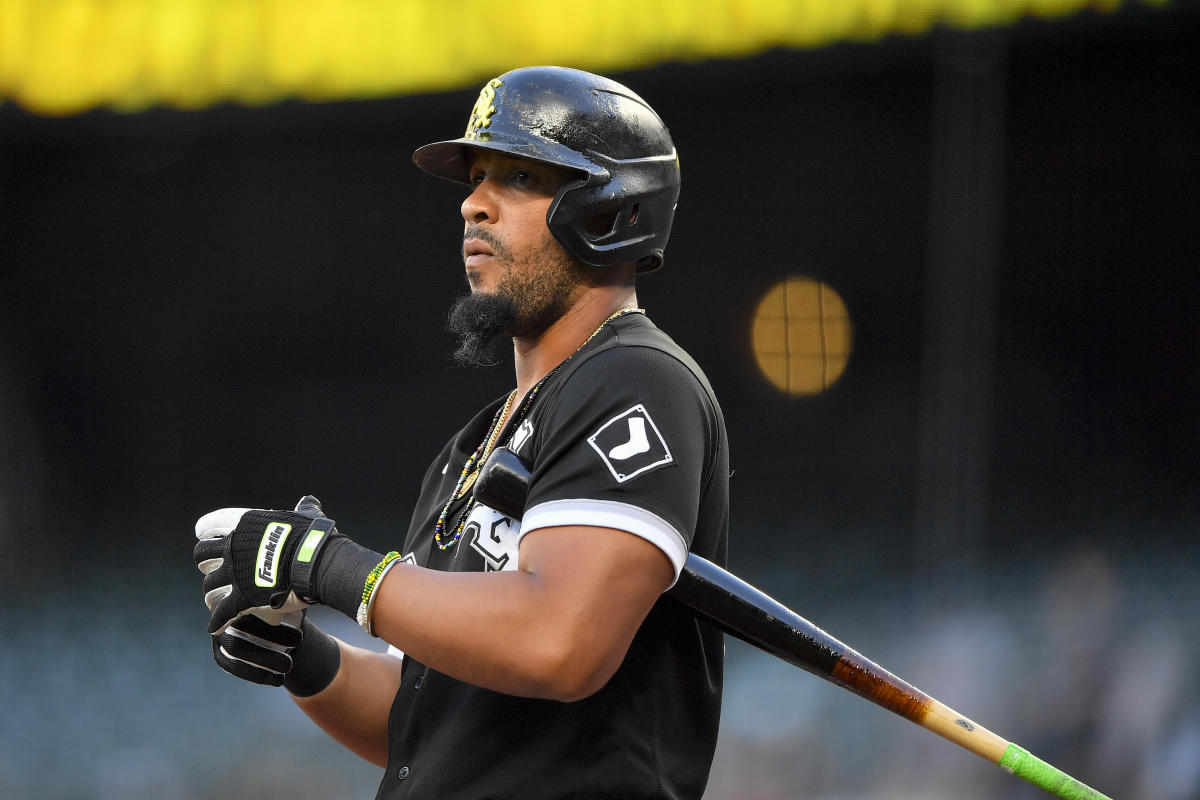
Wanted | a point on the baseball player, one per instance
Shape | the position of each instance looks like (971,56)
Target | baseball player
(533,657)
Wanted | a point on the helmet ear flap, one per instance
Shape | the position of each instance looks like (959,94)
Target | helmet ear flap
(597,226)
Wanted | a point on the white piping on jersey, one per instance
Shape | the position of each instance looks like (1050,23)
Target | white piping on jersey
(610,514)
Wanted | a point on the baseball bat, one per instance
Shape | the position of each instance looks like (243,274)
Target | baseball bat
(740,610)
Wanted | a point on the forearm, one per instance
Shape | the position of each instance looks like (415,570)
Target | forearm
(501,648)
(354,707)
(545,630)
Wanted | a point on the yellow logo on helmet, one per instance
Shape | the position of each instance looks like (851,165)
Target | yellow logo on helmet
(481,114)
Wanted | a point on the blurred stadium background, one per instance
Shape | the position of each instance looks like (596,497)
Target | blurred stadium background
(939,258)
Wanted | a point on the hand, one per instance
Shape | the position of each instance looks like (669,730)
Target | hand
(253,557)
(258,651)
(285,560)
(275,649)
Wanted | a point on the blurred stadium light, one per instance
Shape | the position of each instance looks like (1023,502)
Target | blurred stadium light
(66,56)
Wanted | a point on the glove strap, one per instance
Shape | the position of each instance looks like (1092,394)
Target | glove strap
(314,541)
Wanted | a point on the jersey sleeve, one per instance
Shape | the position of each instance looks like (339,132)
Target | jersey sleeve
(626,443)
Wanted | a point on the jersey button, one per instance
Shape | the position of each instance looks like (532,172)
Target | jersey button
(403,773)
(417,683)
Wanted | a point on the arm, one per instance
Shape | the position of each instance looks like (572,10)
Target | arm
(560,625)
(354,707)
(556,628)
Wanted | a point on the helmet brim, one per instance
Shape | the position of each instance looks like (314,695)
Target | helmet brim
(451,159)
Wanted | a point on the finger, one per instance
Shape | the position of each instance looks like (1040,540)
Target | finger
(254,628)
(291,605)
(309,506)
(214,596)
(208,554)
(224,612)
(249,648)
(211,564)
(245,670)
(219,522)
(222,576)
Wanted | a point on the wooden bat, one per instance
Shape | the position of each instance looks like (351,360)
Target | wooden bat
(739,609)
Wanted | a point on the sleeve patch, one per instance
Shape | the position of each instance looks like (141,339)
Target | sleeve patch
(630,444)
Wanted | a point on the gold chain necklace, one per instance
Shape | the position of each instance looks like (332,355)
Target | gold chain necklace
(466,478)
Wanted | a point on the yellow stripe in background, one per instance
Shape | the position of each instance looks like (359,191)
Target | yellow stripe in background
(66,56)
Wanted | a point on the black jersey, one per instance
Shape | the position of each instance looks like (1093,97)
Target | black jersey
(627,434)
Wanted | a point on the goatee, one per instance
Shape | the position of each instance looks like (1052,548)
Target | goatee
(480,321)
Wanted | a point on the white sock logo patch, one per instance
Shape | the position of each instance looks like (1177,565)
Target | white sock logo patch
(630,444)
(637,444)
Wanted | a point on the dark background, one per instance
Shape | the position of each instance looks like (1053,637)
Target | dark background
(997,500)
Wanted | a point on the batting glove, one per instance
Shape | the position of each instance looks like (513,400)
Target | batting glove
(284,560)
(293,653)
(257,651)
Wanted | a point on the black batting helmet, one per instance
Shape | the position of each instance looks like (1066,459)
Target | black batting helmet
(621,207)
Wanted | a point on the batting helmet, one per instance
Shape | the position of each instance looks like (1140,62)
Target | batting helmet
(620,209)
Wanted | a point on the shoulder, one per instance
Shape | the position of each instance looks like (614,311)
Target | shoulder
(632,370)
(636,351)
(646,377)
(640,370)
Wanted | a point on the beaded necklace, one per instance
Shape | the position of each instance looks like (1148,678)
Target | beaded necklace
(466,478)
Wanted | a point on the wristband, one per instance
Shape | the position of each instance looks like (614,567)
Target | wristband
(371,588)
(341,573)
(315,662)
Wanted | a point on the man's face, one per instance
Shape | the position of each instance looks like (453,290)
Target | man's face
(521,278)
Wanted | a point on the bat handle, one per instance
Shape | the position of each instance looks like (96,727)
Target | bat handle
(1020,762)
(742,611)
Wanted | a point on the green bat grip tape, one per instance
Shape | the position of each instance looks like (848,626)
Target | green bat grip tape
(1023,764)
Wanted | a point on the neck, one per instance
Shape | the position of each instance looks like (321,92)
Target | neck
(534,357)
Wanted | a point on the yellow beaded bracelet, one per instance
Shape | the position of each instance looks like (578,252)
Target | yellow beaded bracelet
(371,586)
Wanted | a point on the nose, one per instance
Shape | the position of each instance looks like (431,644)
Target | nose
(480,205)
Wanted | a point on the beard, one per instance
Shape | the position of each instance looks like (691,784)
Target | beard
(526,302)
(479,322)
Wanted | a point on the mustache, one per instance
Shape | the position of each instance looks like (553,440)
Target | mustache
(485,236)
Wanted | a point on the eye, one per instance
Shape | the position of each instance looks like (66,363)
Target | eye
(523,177)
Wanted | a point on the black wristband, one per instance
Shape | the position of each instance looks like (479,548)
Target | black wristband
(341,574)
(315,662)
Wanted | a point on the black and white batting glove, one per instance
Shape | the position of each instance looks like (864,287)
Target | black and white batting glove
(258,651)
(290,651)
(285,560)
